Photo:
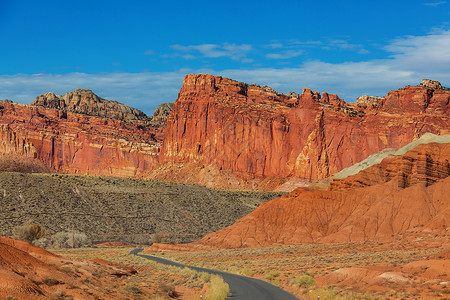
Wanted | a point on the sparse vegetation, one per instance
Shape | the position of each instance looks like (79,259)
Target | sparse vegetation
(304,281)
(133,289)
(121,209)
(63,240)
(217,288)
(29,232)
(271,275)
(163,279)
(297,267)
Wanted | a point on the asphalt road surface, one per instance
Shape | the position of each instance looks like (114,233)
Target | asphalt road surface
(241,287)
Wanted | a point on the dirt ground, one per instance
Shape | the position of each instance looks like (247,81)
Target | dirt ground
(410,266)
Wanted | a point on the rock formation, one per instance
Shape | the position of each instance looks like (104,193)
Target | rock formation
(161,114)
(76,143)
(368,101)
(400,194)
(254,130)
(249,131)
(86,102)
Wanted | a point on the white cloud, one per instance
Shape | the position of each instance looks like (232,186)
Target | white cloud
(140,90)
(412,58)
(233,51)
(285,54)
(434,4)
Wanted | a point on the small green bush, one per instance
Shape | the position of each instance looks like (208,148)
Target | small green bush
(217,288)
(133,289)
(271,275)
(305,281)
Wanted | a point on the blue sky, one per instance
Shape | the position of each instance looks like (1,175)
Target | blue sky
(137,52)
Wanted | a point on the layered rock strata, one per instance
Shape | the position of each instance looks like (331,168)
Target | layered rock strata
(382,202)
(254,130)
(76,143)
(84,101)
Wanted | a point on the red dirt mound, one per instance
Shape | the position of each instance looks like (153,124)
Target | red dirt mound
(23,275)
(29,272)
(27,247)
(377,212)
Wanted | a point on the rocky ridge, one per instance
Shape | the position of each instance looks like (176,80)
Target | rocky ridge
(254,130)
(76,143)
(248,131)
(84,101)
(379,203)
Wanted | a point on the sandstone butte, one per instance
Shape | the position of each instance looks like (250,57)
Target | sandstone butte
(403,194)
(92,137)
(254,130)
(224,125)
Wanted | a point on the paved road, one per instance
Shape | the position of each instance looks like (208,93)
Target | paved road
(241,287)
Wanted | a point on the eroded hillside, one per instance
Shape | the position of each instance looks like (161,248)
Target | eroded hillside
(109,208)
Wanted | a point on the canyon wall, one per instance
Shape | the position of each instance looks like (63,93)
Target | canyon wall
(254,130)
(76,143)
(249,130)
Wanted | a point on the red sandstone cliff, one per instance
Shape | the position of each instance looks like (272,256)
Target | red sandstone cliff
(244,130)
(75,143)
(254,130)
(382,209)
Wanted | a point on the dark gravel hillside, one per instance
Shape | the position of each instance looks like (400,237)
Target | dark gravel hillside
(110,208)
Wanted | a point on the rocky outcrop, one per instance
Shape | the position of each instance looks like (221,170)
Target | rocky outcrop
(425,164)
(414,197)
(417,100)
(432,84)
(86,102)
(249,131)
(75,143)
(369,101)
(161,114)
(255,130)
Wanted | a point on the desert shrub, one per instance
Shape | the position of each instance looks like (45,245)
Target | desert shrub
(51,281)
(60,295)
(133,289)
(157,238)
(29,232)
(68,239)
(22,164)
(325,293)
(271,275)
(206,277)
(168,289)
(217,288)
(305,281)
(42,242)
(9,297)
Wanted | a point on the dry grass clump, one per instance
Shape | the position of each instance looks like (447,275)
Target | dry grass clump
(300,268)
(22,164)
(217,288)
(154,280)
(304,281)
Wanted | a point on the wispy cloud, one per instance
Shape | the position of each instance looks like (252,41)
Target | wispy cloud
(294,48)
(143,90)
(232,51)
(285,54)
(435,3)
(412,58)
